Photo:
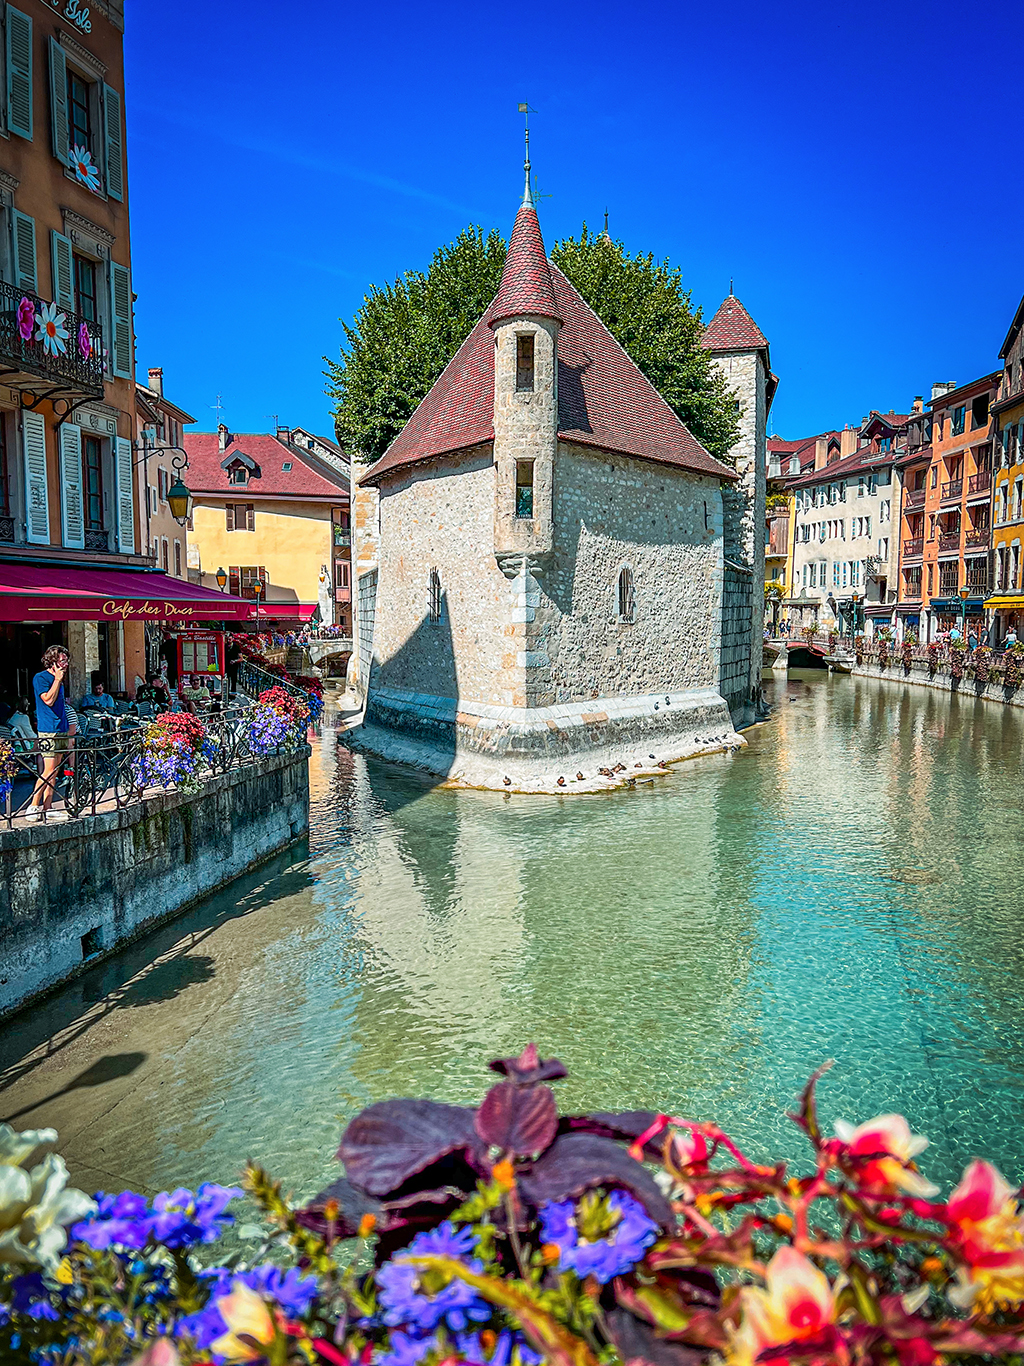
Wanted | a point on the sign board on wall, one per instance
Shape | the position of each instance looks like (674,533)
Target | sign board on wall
(201,652)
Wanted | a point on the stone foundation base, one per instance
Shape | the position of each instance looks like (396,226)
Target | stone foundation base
(476,745)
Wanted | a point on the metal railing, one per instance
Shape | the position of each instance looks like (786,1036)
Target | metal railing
(913,498)
(914,546)
(978,483)
(100,772)
(952,489)
(951,542)
(978,536)
(55,344)
(252,680)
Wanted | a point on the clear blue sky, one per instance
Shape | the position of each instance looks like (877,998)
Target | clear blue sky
(857,169)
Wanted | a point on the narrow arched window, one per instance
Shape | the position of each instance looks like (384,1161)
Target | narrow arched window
(626,604)
(435,597)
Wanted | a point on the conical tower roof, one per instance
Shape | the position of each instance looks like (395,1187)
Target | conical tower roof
(733,329)
(526,286)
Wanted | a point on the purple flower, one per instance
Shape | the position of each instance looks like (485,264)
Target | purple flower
(26,319)
(406,1350)
(181,1218)
(291,1290)
(472,1348)
(121,1220)
(603,1258)
(456,1305)
(84,341)
(30,1297)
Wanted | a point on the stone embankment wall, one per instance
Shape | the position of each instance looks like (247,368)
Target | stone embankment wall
(69,893)
(920,675)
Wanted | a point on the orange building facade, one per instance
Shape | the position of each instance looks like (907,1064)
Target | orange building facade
(945,523)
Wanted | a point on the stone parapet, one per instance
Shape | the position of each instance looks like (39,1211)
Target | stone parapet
(479,745)
(72,892)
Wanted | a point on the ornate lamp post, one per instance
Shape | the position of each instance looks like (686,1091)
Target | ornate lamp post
(964,593)
(222,579)
(179,496)
(257,589)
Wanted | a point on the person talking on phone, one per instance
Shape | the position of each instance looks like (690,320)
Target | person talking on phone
(52,728)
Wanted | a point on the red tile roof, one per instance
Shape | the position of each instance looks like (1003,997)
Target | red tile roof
(307,478)
(526,280)
(733,329)
(862,459)
(603,399)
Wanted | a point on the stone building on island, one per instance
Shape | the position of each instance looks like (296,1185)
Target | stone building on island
(553,575)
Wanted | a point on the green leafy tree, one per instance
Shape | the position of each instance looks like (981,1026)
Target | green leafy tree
(403,337)
(405,334)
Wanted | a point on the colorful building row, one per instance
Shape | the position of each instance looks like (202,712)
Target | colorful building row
(912,520)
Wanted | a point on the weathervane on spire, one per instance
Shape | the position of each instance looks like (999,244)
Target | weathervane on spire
(527,192)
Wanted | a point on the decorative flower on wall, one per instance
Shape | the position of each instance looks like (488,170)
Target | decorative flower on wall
(85,169)
(51,329)
(26,319)
(84,341)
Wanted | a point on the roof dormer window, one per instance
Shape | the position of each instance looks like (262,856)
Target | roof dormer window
(238,474)
(286,467)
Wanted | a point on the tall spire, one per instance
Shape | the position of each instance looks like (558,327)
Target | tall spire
(528,192)
(526,287)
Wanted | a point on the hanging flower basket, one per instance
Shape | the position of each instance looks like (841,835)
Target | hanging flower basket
(173,750)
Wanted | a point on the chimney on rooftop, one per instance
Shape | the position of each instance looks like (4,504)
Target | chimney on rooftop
(821,452)
(942,386)
(284,434)
(156,380)
(223,436)
(847,441)
(918,404)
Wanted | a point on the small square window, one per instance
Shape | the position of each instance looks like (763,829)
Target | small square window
(286,466)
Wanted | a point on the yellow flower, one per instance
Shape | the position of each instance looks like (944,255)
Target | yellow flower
(796,1304)
(250,1326)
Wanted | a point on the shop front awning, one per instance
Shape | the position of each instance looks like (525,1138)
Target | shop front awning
(1004,604)
(53,592)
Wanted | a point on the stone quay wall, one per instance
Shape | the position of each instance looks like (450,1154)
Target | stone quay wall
(921,676)
(72,892)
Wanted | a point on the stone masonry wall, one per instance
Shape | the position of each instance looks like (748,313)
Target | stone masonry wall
(665,524)
(95,883)
(441,516)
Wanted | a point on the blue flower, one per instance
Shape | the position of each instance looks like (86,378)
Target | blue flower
(30,1297)
(456,1305)
(121,1220)
(406,1350)
(181,1218)
(603,1258)
(507,1342)
(291,1290)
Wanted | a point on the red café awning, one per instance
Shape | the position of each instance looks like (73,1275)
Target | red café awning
(32,592)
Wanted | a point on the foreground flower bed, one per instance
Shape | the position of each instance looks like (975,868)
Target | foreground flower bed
(509,1235)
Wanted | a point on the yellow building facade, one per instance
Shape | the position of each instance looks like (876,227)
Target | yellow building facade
(271,518)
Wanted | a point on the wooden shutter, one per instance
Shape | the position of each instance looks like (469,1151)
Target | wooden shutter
(229,517)
(250,517)
(113,142)
(19,73)
(37,501)
(25,274)
(121,314)
(233,580)
(60,129)
(71,491)
(63,268)
(125,501)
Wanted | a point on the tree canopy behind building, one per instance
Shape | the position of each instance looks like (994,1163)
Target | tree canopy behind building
(406,333)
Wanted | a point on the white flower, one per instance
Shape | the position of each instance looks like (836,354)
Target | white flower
(51,329)
(84,167)
(36,1206)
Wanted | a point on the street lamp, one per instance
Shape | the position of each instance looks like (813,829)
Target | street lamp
(854,614)
(257,589)
(964,593)
(222,579)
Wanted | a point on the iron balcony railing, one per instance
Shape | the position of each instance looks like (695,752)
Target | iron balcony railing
(102,772)
(951,542)
(913,498)
(953,489)
(914,546)
(979,482)
(978,536)
(53,344)
(912,591)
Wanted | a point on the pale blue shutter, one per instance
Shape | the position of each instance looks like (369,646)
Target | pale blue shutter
(60,130)
(63,268)
(121,320)
(71,490)
(25,274)
(19,73)
(125,500)
(113,142)
(37,499)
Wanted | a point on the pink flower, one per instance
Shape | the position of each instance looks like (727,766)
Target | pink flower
(26,319)
(796,1305)
(688,1149)
(84,340)
(988,1237)
(885,1149)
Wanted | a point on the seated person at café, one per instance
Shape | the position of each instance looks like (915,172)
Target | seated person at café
(99,699)
(19,723)
(194,693)
(154,690)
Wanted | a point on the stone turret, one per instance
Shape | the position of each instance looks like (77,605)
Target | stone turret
(525,322)
(739,349)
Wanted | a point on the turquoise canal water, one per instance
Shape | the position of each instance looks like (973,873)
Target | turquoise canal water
(847,887)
